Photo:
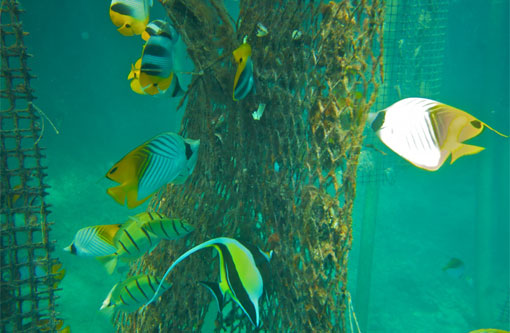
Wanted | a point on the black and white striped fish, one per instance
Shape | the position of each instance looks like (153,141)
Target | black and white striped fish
(426,132)
(240,274)
(166,158)
(132,293)
(94,241)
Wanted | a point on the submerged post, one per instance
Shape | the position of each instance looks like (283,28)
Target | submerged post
(285,182)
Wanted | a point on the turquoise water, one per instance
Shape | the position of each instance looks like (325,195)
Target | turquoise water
(423,218)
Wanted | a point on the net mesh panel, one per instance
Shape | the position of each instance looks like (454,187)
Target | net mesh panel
(284,183)
(27,295)
(414,48)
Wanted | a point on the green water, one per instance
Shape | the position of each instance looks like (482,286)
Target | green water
(423,218)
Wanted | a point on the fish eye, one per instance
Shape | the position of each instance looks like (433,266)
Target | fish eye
(128,25)
(240,60)
(476,124)
(113,170)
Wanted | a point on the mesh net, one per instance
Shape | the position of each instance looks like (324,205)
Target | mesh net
(286,182)
(28,294)
(414,48)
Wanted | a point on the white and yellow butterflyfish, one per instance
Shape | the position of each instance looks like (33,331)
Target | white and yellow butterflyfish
(426,132)
(163,159)
(94,241)
(240,274)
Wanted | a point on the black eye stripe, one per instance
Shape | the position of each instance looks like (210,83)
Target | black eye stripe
(113,170)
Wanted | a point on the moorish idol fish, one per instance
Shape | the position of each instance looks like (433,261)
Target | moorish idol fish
(162,226)
(131,242)
(160,27)
(426,132)
(243,81)
(130,294)
(94,241)
(131,16)
(157,67)
(240,275)
(159,161)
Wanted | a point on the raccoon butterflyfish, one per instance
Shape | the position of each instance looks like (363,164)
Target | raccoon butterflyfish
(132,293)
(131,16)
(162,226)
(163,159)
(94,241)
(157,67)
(131,242)
(426,132)
(240,275)
(243,81)
(160,27)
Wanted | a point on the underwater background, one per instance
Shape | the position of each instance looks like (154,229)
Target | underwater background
(423,219)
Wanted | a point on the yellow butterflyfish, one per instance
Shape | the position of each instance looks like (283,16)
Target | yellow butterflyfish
(243,81)
(131,16)
(426,132)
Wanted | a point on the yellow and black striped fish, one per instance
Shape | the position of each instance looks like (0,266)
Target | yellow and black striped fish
(131,16)
(243,81)
(166,158)
(94,241)
(132,241)
(240,274)
(130,294)
(162,226)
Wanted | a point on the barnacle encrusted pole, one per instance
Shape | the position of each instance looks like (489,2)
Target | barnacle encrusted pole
(286,182)
(28,297)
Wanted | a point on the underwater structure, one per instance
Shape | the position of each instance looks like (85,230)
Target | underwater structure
(285,182)
(28,286)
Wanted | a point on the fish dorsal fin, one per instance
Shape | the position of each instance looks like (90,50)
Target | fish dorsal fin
(129,166)
(107,232)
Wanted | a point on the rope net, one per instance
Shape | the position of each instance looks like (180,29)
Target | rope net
(27,289)
(284,183)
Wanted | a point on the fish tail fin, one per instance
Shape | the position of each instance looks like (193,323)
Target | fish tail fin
(464,149)
(109,262)
(118,194)
(214,288)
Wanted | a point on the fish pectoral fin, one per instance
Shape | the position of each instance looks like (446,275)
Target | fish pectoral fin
(109,262)
(118,193)
(214,288)
(464,149)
